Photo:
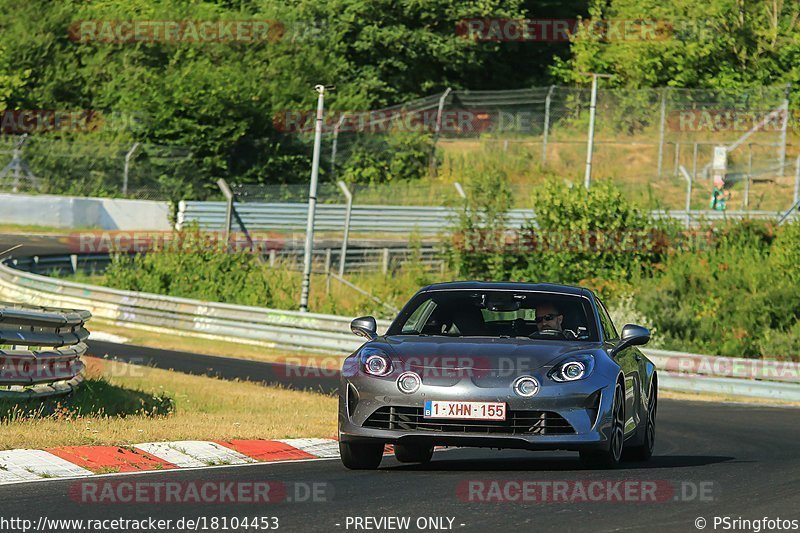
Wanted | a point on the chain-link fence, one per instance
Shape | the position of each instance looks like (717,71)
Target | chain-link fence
(642,139)
(415,153)
(50,165)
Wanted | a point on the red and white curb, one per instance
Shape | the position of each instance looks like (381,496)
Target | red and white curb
(80,461)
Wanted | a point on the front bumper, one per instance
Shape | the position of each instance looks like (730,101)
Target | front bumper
(585,405)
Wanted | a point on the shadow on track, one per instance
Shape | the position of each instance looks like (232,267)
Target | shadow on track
(442,463)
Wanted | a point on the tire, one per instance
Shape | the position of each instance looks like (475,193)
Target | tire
(406,453)
(611,457)
(644,451)
(361,455)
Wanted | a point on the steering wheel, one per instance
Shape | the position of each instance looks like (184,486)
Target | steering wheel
(547,333)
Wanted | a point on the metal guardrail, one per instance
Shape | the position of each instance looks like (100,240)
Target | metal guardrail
(184,316)
(383,259)
(53,341)
(387,218)
(294,330)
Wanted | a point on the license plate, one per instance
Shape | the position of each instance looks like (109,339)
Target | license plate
(465,410)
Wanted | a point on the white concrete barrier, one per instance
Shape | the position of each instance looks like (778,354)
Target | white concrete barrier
(77,212)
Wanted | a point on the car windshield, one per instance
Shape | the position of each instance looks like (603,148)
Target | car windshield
(501,313)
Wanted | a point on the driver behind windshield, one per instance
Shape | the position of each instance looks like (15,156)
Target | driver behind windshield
(548,316)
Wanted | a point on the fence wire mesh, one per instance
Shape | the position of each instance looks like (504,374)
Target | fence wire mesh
(414,153)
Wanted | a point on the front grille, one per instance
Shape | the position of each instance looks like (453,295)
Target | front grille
(516,422)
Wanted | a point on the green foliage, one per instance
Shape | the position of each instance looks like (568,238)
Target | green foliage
(736,298)
(219,99)
(720,44)
(382,158)
(478,249)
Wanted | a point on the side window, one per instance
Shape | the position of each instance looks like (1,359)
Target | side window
(609,332)
(417,320)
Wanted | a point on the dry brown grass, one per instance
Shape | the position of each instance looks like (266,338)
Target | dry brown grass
(202,408)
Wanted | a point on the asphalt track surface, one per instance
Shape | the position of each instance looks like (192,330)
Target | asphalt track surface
(710,460)
(715,460)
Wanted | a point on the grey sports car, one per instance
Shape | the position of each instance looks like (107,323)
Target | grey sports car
(499,365)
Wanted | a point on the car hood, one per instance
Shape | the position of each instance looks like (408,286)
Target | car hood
(487,361)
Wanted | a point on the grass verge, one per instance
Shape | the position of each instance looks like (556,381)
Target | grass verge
(122,404)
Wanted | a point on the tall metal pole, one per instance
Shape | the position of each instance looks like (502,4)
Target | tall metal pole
(312,200)
(128,157)
(546,124)
(661,130)
(349,196)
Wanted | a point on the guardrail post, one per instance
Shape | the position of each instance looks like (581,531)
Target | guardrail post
(385,261)
(272,255)
(348,211)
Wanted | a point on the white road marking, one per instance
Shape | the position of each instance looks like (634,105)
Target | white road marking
(327,448)
(194,453)
(28,465)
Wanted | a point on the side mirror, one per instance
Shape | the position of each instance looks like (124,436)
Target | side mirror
(632,335)
(364,326)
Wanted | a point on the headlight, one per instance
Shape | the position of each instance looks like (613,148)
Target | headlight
(573,368)
(375,362)
(409,382)
(526,386)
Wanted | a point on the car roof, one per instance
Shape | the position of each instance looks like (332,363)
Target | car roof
(509,286)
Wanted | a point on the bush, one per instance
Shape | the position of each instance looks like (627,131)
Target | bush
(738,298)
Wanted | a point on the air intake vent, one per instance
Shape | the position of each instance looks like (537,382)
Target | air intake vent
(517,423)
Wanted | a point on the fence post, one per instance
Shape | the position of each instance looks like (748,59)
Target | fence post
(661,130)
(272,255)
(327,270)
(688,196)
(797,180)
(385,261)
(335,144)
(749,174)
(438,128)
(784,124)
(223,186)
(694,162)
(546,123)
(128,157)
(348,211)
(677,157)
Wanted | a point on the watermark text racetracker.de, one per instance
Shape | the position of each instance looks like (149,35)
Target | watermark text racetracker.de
(585,491)
(142,492)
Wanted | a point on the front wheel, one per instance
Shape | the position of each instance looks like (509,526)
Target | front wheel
(413,454)
(644,451)
(611,457)
(361,455)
